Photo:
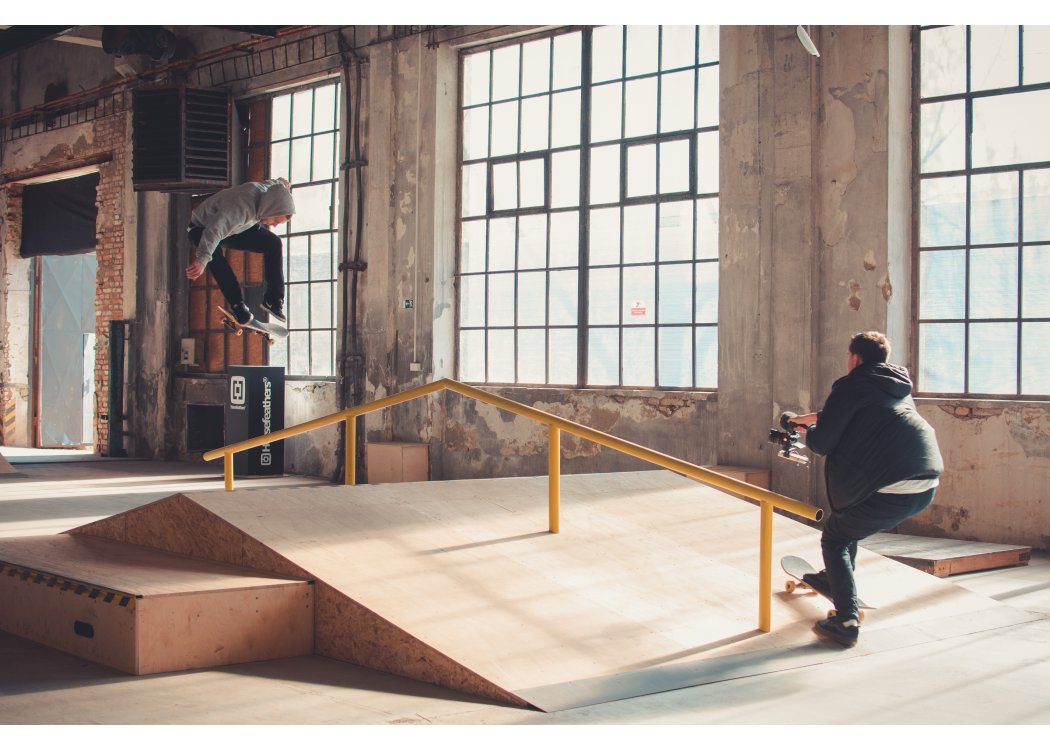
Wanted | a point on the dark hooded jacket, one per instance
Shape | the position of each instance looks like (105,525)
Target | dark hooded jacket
(872,435)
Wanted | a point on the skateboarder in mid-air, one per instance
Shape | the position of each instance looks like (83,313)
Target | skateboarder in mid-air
(882,467)
(239,218)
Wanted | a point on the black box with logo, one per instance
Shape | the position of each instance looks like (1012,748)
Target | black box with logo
(255,407)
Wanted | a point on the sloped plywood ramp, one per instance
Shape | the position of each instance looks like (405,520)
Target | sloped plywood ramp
(652,578)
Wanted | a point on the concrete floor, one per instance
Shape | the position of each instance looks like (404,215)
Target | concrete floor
(997,677)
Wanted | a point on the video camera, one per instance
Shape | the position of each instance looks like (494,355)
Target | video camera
(788,440)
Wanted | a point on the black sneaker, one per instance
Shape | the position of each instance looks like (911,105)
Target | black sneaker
(242,313)
(275,309)
(844,632)
(818,582)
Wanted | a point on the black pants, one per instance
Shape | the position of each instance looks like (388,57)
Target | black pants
(844,529)
(258,239)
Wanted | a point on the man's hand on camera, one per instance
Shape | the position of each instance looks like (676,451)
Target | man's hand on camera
(805,421)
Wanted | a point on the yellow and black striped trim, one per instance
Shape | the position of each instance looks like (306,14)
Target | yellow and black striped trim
(90,590)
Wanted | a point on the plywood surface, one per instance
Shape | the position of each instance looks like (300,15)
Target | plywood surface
(650,569)
(128,568)
(944,557)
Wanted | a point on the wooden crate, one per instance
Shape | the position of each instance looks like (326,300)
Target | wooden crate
(397,462)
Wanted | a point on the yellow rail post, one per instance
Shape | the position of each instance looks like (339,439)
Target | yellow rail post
(227,470)
(350,449)
(765,568)
(554,478)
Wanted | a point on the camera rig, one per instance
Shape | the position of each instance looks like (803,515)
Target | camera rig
(788,440)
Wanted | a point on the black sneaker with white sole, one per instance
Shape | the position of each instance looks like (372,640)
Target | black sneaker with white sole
(242,313)
(275,309)
(844,632)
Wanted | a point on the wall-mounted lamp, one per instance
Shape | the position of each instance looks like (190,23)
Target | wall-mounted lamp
(803,36)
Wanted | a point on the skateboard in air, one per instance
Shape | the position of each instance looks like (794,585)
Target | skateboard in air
(796,567)
(267,329)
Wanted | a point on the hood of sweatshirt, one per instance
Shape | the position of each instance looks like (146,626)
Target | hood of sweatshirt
(893,379)
(276,201)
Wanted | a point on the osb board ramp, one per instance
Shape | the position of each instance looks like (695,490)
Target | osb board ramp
(144,611)
(460,584)
(946,557)
(5,467)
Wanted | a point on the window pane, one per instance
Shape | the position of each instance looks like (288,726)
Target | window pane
(707,228)
(501,356)
(707,162)
(567,54)
(708,44)
(706,292)
(279,159)
(640,107)
(532,241)
(321,348)
(674,167)
(993,208)
(298,259)
(642,49)
(942,284)
(532,178)
(942,211)
(564,293)
(943,52)
(993,283)
(676,231)
(565,179)
(993,358)
(1006,132)
(321,260)
(639,234)
(708,93)
(606,112)
(1036,54)
(532,356)
(565,123)
(502,236)
(472,247)
(605,174)
(505,72)
(504,186)
(603,356)
(1035,359)
(563,343)
(1037,205)
(993,57)
(475,189)
(476,78)
(604,296)
(607,53)
(504,128)
(535,125)
(321,305)
(605,237)
(325,101)
(324,157)
(941,363)
(565,239)
(472,356)
(639,296)
(639,354)
(706,354)
(943,136)
(1036,284)
(535,67)
(676,293)
(475,133)
(676,357)
(676,97)
(299,351)
(302,112)
(501,299)
(298,300)
(641,170)
(472,301)
(532,298)
(677,47)
(280,117)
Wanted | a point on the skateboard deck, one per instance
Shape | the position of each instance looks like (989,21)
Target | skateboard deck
(797,567)
(270,331)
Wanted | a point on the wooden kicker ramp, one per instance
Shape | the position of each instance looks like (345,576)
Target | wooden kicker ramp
(652,585)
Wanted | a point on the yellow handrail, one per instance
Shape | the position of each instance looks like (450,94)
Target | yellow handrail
(556,425)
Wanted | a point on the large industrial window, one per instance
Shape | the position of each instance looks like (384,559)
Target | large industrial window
(304,141)
(984,211)
(588,251)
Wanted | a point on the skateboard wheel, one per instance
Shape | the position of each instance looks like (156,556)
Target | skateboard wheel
(789,586)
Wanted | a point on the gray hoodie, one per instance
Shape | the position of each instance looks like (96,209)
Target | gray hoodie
(234,210)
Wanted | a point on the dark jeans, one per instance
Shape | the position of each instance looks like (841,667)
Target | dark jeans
(844,529)
(258,239)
